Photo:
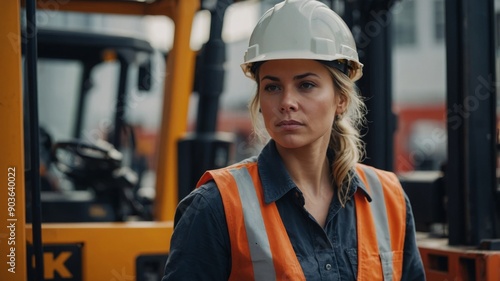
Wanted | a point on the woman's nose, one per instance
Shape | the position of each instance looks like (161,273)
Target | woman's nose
(288,101)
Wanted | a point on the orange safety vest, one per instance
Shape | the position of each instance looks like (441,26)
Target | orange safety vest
(261,248)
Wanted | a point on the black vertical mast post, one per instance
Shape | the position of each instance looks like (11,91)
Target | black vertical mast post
(370,21)
(471,113)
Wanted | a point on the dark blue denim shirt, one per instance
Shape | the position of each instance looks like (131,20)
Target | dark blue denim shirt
(200,246)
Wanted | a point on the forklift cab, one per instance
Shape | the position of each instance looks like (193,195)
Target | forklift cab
(89,163)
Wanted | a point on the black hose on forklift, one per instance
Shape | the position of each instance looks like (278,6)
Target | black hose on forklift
(34,173)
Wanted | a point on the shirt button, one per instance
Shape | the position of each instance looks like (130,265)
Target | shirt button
(328,266)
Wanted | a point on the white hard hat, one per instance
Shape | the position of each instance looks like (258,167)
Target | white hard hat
(303,29)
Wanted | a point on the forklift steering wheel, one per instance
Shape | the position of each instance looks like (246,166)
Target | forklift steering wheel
(83,160)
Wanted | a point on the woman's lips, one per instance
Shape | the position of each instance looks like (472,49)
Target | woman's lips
(289,124)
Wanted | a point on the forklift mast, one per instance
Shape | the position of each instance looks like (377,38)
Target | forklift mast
(370,21)
(206,149)
(470,176)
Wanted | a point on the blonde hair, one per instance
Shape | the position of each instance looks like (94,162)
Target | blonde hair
(345,139)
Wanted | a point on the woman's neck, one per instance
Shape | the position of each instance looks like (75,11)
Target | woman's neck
(309,168)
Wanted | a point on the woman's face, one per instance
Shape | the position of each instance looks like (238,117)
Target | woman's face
(298,102)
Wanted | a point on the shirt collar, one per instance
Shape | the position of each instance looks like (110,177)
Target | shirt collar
(358,185)
(276,180)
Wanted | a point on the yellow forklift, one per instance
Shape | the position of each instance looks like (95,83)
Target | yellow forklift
(100,230)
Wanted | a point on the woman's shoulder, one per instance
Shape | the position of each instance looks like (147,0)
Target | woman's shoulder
(207,192)
(205,198)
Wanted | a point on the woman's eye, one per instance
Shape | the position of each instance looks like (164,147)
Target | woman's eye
(307,85)
(271,88)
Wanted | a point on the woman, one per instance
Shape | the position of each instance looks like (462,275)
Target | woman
(303,209)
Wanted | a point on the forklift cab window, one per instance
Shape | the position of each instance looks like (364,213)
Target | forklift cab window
(57,104)
(99,103)
(91,133)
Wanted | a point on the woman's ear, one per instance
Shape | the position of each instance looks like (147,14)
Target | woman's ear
(341,105)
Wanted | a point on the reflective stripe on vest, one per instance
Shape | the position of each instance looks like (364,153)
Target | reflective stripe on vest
(258,242)
(381,226)
(379,214)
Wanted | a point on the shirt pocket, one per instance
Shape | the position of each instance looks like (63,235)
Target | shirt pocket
(392,265)
(309,266)
(352,257)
